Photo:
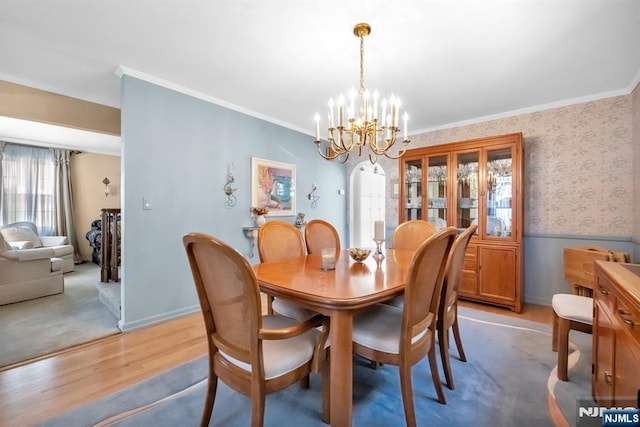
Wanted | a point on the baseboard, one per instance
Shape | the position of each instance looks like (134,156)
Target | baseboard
(152,320)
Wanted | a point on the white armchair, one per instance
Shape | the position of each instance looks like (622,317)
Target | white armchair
(28,273)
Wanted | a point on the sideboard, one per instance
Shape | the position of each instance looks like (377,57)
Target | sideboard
(616,335)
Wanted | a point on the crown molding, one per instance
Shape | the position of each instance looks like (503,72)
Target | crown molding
(123,70)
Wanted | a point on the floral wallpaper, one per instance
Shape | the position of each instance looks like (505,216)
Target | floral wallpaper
(578,162)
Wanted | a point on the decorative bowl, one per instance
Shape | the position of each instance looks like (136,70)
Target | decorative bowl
(359,254)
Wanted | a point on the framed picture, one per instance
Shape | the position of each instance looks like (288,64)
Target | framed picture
(273,184)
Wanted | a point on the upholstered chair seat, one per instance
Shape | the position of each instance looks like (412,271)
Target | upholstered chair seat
(282,356)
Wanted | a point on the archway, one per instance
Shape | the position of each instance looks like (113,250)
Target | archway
(366,202)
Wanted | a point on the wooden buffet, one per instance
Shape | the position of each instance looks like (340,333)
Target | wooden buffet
(616,335)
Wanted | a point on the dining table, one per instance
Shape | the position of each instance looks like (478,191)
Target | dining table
(340,294)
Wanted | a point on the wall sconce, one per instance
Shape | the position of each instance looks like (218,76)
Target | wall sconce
(229,190)
(313,197)
(106,183)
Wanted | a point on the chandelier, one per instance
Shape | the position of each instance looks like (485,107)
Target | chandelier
(366,123)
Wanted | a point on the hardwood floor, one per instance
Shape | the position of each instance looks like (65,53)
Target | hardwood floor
(36,391)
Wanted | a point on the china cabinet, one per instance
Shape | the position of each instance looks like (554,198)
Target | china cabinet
(479,182)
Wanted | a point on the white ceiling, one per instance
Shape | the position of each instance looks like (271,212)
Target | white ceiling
(450,61)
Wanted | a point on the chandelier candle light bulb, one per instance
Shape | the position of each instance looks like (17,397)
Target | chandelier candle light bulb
(364,128)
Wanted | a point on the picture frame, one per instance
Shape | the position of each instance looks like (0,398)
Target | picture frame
(273,184)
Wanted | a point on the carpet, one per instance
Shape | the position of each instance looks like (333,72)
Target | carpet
(45,325)
(506,382)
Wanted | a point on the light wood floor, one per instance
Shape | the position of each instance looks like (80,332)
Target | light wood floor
(33,392)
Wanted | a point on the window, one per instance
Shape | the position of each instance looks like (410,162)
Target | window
(28,187)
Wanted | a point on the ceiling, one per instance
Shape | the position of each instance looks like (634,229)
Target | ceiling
(450,61)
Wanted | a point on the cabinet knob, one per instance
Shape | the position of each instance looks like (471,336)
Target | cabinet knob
(608,377)
(623,315)
(602,290)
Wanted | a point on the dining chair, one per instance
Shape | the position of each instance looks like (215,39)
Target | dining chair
(251,353)
(574,311)
(402,337)
(570,312)
(448,309)
(409,235)
(319,234)
(279,241)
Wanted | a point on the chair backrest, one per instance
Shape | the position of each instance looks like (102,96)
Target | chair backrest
(423,287)
(320,234)
(453,269)
(229,298)
(278,241)
(410,235)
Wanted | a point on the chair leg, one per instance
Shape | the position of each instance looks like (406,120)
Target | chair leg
(554,332)
(443,340)
(407,394)
(456,336)
(257,408)
(212,386)
(563,348)
(433,364)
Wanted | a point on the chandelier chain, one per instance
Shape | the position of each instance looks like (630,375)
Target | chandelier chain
(361,91)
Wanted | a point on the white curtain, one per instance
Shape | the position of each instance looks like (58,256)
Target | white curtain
(64,212)
(28,187)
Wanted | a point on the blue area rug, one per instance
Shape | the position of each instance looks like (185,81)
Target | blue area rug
(506,382)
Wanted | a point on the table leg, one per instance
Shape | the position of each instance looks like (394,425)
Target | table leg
(341,368)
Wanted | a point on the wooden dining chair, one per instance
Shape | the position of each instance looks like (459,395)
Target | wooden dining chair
(574,311)
(253,354)
(320,234)
(279,241)
(448,309)
(402,337)
(410,235)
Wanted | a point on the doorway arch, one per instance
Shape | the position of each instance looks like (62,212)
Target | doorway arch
(366,202)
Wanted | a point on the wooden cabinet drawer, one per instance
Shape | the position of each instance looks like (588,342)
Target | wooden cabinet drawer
(629,317)
(470,263)
(604,292)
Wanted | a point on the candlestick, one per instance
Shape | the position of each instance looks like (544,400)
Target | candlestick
(378,255)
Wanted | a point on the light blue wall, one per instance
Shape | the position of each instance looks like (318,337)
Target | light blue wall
(175,152)
(544,267)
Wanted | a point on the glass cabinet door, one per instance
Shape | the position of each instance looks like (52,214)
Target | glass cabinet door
(412,190)
(499,174)
(437,191)
(467,190)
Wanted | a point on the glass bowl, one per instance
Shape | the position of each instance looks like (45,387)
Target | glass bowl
(359,254)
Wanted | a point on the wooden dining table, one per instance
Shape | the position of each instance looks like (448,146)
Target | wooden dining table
(339,294)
